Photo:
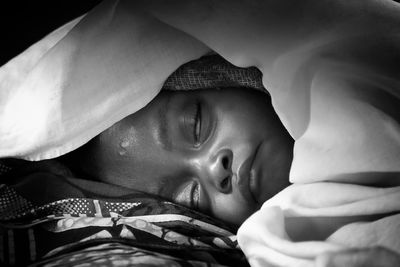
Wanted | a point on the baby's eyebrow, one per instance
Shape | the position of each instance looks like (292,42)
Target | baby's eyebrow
(163,136)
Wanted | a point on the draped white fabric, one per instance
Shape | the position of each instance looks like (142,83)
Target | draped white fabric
(331,67)
(303,221)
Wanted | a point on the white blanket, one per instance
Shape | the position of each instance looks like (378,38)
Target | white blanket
(331,67)
(303,221)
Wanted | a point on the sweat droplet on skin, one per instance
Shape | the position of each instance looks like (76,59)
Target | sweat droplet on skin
(127,142)
(123,145)
(122,152)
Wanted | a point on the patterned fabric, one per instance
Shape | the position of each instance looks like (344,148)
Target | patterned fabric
(119,254)
(139,230)
(4,168)
(213,71)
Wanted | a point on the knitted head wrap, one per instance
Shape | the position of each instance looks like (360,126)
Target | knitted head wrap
(213,71)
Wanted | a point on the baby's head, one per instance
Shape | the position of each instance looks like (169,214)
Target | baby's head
(221,151)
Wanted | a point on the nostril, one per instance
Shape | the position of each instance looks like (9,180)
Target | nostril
(225,162)
(221,171)
(225,183)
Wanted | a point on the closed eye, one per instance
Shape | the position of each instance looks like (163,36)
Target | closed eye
(189,195)
(197,125)
(195,196)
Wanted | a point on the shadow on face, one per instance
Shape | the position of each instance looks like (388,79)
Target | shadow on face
(222,152)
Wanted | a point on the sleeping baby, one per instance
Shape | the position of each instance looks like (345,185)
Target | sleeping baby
(222,151)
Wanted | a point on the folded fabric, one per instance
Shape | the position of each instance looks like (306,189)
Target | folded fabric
(47,219)
(303,221)
(331,70)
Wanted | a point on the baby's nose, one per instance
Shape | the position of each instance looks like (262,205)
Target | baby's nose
(220,171)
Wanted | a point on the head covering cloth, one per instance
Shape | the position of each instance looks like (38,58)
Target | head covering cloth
(213,71)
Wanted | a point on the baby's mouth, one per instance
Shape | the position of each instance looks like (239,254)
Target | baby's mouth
(247,179)
(253,178)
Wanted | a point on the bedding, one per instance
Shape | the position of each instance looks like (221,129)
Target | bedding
(304,221)
(54,220)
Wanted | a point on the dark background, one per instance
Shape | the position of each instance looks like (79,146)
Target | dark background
(24,23)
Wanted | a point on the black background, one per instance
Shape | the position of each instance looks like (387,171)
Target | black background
(24,23)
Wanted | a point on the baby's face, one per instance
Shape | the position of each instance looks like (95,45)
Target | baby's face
(223,152)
